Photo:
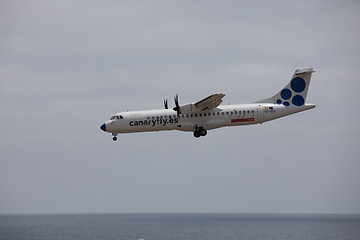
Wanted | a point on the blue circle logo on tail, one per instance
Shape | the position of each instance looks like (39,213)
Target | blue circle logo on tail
(285,94)
(298,84)
(298,100)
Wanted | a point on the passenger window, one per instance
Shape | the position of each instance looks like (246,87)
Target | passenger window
(187,115)
(222,113)
(200,115)
(191,115)
(252,111)
(227,113)
(235,112)
(248,111)
(195,114)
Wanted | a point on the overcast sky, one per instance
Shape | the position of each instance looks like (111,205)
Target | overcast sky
(67,66)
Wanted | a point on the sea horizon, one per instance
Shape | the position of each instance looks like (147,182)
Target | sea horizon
(174,226)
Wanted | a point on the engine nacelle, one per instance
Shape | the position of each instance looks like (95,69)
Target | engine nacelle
(188,108)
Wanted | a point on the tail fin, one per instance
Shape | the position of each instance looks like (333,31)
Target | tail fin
(293,94)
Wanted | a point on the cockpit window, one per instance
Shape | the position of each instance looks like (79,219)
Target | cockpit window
(116,117)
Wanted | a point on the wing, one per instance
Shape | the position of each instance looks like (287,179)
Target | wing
(210,102)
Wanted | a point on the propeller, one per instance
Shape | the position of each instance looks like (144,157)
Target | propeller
(166,104)
(177,107)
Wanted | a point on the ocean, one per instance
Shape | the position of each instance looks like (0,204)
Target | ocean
(180,226)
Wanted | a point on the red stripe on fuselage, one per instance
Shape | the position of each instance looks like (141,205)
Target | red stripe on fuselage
(243,120)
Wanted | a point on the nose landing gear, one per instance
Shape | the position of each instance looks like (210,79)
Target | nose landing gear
(200,131)
(114,138)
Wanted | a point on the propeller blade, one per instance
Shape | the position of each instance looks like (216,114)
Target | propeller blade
(176,99)
(177,107)
(166,104)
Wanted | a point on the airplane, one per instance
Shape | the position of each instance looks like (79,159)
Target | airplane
(207,114)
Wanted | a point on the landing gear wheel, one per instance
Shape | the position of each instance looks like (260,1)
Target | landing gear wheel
(200,131)
(114,138)
(203,132)
(197,134)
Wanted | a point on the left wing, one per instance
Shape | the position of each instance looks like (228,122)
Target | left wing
(210,102)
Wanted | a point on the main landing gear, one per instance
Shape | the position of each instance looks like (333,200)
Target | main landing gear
(200,131)
(114,138)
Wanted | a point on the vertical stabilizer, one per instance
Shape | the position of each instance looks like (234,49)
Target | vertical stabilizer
(293,94)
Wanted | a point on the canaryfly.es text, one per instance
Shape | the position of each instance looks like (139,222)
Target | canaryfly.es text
(153,122)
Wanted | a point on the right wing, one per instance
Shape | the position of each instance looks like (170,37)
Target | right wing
(210,102)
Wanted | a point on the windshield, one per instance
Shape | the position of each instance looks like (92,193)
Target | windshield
(116,117)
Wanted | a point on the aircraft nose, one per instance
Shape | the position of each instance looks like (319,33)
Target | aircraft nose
(103,127)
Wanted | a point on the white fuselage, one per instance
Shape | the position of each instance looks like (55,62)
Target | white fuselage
(208,114)
(222,116)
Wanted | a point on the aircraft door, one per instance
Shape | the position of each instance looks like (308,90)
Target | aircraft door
(260,113)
